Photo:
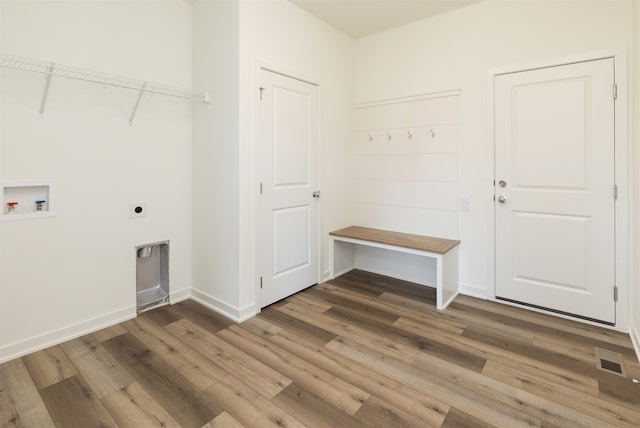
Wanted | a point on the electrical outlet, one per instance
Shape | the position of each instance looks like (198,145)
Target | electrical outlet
(137,209)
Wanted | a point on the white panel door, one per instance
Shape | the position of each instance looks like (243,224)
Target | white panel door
(554,172)
(289,178)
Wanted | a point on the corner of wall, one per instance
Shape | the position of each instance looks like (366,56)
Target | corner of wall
(177,296)
(215,154)
(479,292)
(634,324)
(634,333)
(232,312)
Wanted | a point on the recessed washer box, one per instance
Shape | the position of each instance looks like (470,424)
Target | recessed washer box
(137,209)
(27,199)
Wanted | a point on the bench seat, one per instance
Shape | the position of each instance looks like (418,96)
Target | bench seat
(444,251)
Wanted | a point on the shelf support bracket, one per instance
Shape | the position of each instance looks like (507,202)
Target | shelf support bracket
(46,90)
(135,107)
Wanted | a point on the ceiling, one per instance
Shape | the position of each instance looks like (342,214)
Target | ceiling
(359,18)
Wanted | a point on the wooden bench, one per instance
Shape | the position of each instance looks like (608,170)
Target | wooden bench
(444,251)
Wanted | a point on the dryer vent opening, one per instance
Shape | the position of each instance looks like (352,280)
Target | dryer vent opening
(152,275)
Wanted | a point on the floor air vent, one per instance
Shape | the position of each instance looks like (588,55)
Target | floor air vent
(610,362)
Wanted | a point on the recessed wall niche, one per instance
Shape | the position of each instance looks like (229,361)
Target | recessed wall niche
(27,199)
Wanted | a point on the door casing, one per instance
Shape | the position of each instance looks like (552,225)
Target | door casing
(261,65)
(623,158)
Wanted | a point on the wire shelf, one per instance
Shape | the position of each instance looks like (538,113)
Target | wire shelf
(60,70)
(72,72)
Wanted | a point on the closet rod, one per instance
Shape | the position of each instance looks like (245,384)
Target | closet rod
(72,72)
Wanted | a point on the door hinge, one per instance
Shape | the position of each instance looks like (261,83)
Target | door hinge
(261,89)
(261,187)
(615,192)
(615,293)
(615,91)
(260,282)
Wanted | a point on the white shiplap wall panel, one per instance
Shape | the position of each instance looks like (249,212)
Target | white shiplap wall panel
(409,220)
(405,165)
(436,195)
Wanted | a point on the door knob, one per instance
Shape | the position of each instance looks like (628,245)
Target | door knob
(316,194)
(502,183)
(502,199)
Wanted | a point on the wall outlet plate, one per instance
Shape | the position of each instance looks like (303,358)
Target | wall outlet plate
(137,209)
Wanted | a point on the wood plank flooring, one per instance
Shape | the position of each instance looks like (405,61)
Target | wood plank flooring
(362,350)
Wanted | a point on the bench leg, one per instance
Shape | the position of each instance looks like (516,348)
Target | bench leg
(342,257)
(447,278)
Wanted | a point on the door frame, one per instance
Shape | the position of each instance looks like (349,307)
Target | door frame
(623,159)
(257,151)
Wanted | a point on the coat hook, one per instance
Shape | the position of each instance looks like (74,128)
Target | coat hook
(388,136)
(433,134)
(370,137)
(410,135)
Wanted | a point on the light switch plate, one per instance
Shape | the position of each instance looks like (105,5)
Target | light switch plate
(465,204)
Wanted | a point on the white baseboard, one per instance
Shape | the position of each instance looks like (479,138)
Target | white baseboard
(396,275)
(342,272)
(326,276)
(634,333)
(179,295)
(473,291)
(36,343)
(384,273)
(223,308)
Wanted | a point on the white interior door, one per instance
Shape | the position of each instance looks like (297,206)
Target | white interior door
(289,178)
(554,172)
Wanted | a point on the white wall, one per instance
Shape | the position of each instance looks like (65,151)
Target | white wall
(64,276)
(277,33)
(455,51)
(216,165)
